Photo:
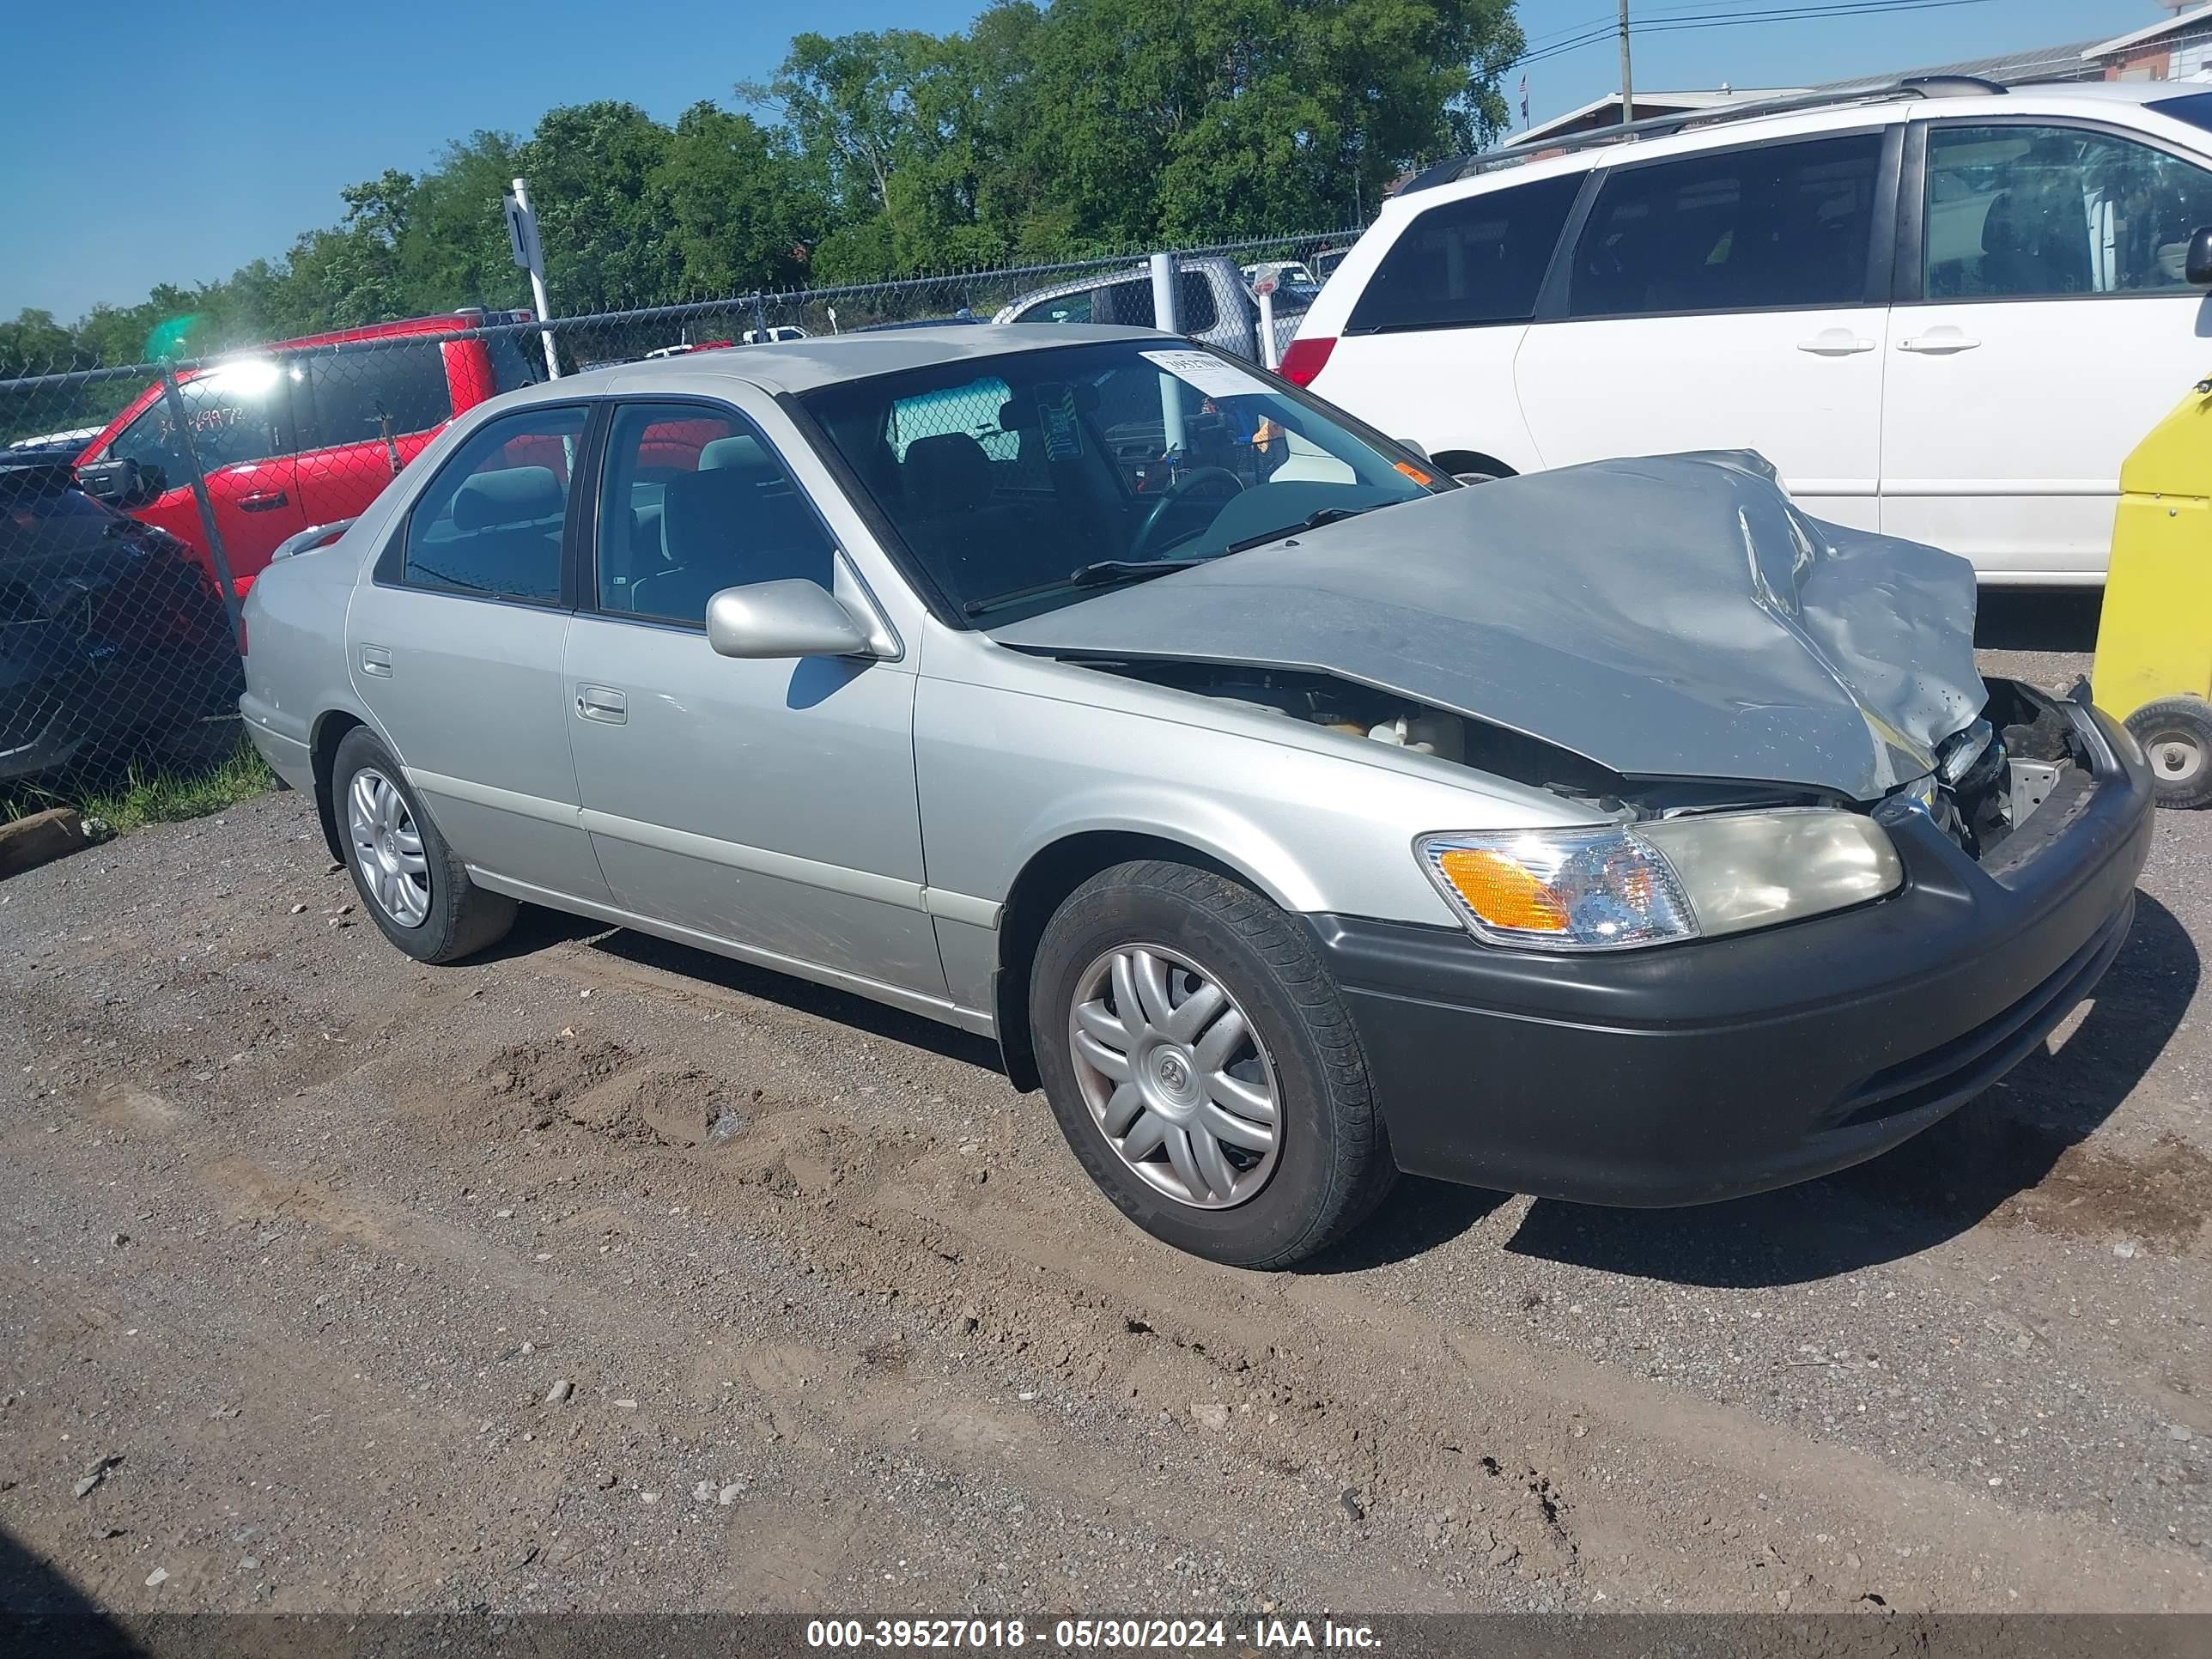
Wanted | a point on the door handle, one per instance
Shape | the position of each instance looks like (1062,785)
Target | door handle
(265,501)
(1836,342)
(1939,342)
(376,659)
(602,703)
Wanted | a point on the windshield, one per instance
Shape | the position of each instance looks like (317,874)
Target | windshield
(1025,480)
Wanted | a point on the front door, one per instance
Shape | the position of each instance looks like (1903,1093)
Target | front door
(1727,300)
(2053,327)
(455,646)
(769,803)
(240,430)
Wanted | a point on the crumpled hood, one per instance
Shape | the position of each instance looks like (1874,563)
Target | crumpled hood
(1669,616)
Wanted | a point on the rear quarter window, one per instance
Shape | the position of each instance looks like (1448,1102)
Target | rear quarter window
(1480,260)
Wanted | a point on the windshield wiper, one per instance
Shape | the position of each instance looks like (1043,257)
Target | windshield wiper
(1101,574)
(1313,521)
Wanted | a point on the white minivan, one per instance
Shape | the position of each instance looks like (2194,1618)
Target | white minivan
(1945,311)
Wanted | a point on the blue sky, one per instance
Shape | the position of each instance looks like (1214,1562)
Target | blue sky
(144,144)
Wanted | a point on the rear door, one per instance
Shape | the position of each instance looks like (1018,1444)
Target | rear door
(240,430)
(455,646)
(367,409)
(2046,324)
(1730,299)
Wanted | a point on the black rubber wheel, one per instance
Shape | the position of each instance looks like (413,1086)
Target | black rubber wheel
(2176,735)
(433,915)
(1326,1161)
(1476,478)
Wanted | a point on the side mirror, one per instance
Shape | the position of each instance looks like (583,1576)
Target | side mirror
(2200,256)
(793,618)
(123,484)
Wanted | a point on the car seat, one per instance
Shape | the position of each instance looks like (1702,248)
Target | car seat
(505,523)
(727,525)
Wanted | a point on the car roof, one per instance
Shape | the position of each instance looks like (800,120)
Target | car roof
(1854,107)
(828,359)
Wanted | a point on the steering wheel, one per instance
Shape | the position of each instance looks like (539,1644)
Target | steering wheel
(1174,495)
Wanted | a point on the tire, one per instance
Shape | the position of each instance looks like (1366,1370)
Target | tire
(1476,478)
(1329,1162)
(2176,735)
(442,916)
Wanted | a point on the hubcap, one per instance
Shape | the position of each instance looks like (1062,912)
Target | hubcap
(2174,755)
(1175,1077)
(387,849)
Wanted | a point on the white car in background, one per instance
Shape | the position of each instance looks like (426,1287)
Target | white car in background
(1944,311)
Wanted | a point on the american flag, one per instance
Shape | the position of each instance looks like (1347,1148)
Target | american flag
(1524,99)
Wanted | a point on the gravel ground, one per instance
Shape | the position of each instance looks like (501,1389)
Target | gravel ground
(603,1274)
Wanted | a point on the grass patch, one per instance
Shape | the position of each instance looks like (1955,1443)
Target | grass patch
(152,792)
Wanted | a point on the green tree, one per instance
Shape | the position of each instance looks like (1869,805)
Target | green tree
(591,168)
(742,211)
(1043,130)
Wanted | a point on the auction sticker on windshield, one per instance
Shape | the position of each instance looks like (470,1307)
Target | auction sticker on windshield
(1202,369)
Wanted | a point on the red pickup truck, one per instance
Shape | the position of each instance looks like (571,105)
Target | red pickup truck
(301,434)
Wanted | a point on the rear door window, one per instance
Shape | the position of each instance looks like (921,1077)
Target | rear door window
(1766,228)
(491,522)
(367,393)
(1480,260)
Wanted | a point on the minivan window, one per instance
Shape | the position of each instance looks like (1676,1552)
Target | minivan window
(1480,260)
(2038,213)
(366,394)
(2195,108)
(491,521)
(236,412)
(1762,227)
(515,361)
(693,502)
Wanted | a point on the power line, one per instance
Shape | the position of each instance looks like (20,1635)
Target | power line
(1592,34)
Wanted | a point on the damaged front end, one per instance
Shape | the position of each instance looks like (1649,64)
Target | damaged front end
(1683,857)
(1741,697)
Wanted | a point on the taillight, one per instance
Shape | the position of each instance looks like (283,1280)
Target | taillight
(1305,358)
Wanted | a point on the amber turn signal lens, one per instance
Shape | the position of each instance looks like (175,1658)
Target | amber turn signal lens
(1501,892)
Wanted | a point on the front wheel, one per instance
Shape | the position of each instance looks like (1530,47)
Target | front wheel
(411,883)
(1204,1067)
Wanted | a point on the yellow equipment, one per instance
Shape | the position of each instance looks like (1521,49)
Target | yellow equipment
(2153,668)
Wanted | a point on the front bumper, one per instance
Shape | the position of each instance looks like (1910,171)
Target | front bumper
(1687,1074)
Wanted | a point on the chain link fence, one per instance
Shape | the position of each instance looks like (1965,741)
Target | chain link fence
(142,500)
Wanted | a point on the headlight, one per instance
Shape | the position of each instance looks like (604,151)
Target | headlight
(1611,887)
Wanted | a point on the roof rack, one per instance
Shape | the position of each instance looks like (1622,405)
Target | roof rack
(1662,126)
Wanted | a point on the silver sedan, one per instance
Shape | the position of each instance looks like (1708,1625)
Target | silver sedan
(1291,814)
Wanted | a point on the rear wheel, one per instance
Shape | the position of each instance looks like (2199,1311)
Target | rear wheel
(1204,1067)
(2176,734)
(410,881)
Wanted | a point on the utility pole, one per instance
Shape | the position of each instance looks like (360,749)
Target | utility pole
(1627,81)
